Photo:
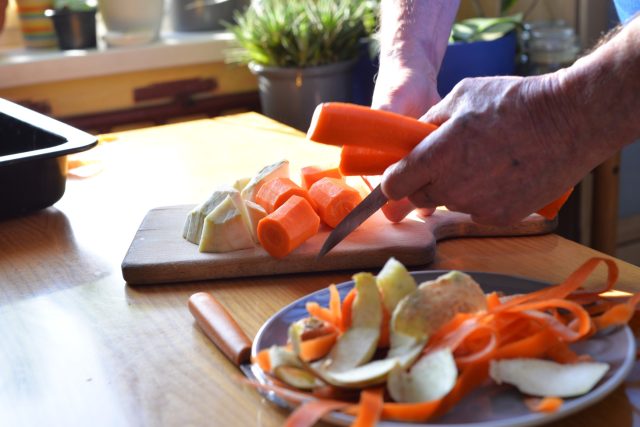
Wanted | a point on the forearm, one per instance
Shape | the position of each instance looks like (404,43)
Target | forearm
(602,92)
(415,33)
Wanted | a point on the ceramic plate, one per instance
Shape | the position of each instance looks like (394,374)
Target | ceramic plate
(492,405)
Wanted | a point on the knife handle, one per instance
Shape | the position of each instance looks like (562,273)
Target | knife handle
(220,327)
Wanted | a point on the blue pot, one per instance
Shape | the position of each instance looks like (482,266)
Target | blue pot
(477,59)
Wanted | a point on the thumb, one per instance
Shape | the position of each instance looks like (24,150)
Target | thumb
(415,171)
(438,114)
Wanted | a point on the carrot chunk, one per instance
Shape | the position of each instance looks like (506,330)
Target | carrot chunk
(333,199)
(370,408)
(277,191)
(339,123)
(288,227)
(309,175)
(355,160)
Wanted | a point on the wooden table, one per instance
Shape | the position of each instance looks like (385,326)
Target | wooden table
(80,347)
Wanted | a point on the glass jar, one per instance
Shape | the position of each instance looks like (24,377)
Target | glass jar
(549,46)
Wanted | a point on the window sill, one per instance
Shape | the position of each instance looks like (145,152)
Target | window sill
(24,67)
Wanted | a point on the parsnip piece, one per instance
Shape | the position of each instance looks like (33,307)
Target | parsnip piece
(192,230)
(225,229)
(394,282)
(241,183)
(255,213)
(276,170)
(434,303)
(430,378)
(543,378)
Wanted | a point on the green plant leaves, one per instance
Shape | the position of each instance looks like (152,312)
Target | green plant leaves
(301,33)
(484,29)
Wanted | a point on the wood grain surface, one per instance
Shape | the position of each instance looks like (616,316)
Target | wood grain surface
(159,254)
(80,347)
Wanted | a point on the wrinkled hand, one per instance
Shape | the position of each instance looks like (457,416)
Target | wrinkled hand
(404,91)
(503,150)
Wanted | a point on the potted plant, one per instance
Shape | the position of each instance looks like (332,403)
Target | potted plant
(301,51)
(481,46)
(74,22)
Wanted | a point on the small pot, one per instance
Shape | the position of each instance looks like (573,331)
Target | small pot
(75,29)
(204,15)
(290,95)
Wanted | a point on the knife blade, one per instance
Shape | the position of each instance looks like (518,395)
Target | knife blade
(222,329)
(374,201)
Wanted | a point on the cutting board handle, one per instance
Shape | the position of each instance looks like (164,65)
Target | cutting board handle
(220,327)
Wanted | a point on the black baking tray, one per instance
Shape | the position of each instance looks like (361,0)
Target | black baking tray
(33,158)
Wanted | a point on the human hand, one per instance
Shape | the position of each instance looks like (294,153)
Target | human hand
(504,149)
(407,92)
(404,91)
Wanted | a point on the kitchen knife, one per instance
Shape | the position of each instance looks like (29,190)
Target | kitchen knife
(222,329)
(374,201)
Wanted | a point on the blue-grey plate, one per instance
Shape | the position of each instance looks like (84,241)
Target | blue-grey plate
(491,405)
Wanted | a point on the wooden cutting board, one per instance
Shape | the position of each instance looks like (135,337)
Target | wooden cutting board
(159,254)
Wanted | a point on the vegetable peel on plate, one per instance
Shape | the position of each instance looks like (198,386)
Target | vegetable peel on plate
(445,339)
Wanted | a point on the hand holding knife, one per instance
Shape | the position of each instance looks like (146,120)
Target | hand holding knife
(343,124)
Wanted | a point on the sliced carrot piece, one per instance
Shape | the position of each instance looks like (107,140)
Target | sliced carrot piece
(286,228)
(355,160)
(333,199)
(319,312)
(275,192)
(347,307)
(309,175)
(263,360)
(315,348)
(310,412)
(415,412)
(619,314)
(338,123)
(369,408)
(334,305)
(545,404)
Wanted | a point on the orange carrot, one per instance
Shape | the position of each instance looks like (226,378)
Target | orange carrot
(263,360)
(369,408)
(471,377)
(333,199)
(310,174)
(319,312)
(338,123)
(288,227)
(355,160)
(493,300)
(347,307)
(310,412)
(334,305)
(619,314)
(551,210)
(414,412)
(344,124)
(318,347)
(275,192)
(545,404)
